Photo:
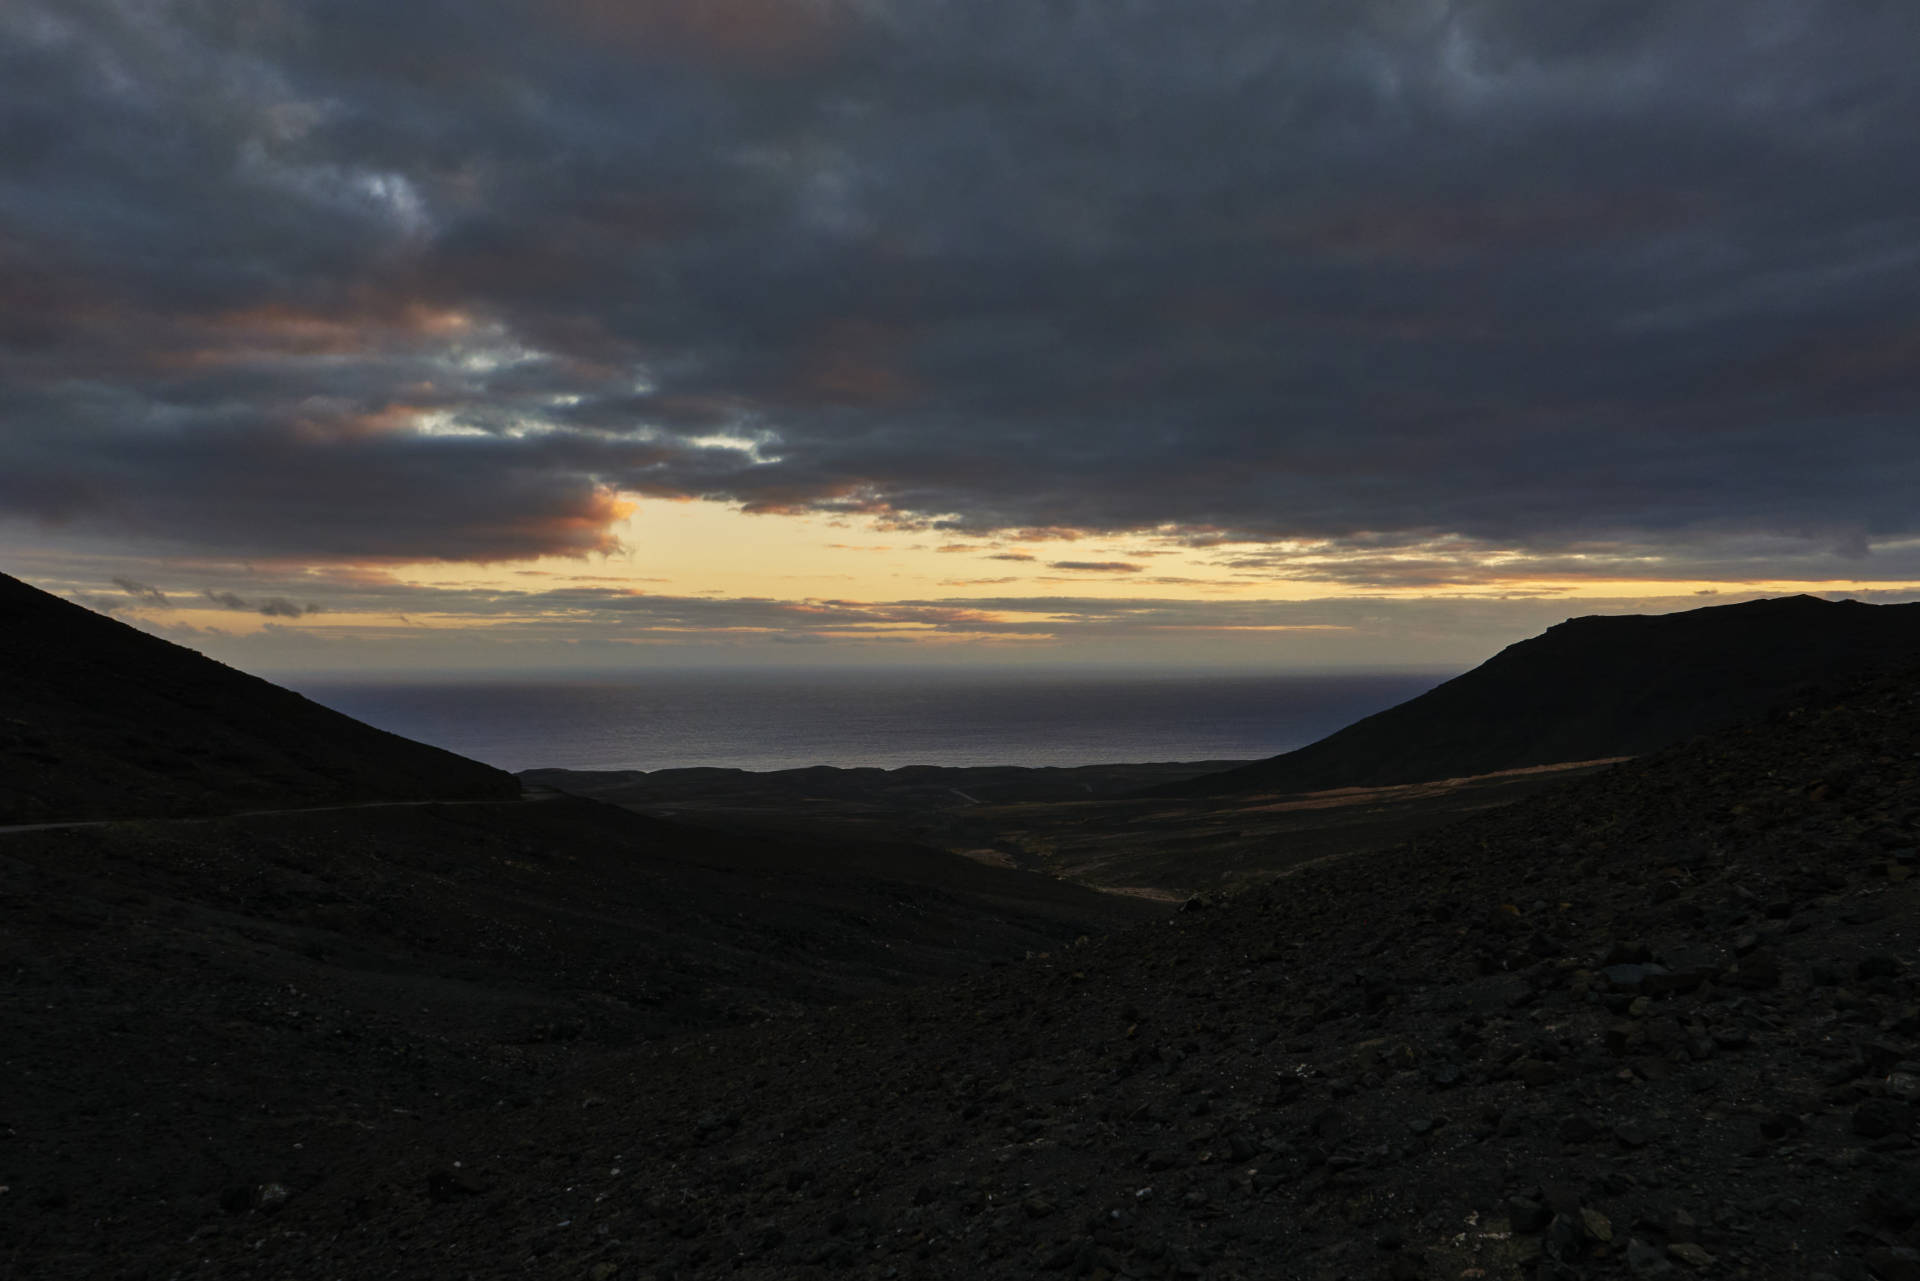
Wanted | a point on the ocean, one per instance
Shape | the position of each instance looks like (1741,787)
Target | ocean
(780,719)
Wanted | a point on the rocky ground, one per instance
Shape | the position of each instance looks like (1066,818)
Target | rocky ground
(1662,1021)
(192,1010)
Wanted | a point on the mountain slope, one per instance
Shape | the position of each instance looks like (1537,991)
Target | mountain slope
(1595,688)
(100,720)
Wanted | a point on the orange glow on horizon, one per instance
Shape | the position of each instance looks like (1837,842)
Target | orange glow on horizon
(707,573)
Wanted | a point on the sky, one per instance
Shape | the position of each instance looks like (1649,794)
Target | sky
(529,334)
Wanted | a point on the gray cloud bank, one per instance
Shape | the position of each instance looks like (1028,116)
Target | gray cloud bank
(271,607)
(609,629)
(357,281)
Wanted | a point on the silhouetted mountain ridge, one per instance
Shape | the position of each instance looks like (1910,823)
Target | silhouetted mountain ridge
(1593,688)
(101,720)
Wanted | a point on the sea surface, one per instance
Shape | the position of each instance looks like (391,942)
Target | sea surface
(766,720)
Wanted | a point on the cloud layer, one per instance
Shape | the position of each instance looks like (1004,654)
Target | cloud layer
(1601,281)
(408,628)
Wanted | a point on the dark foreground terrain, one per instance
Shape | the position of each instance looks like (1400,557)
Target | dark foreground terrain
(1661,1021)
(192,1010)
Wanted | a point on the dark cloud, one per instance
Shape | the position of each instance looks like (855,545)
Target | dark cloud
(357,281)
(270,607)
(144,593)
(1095,566)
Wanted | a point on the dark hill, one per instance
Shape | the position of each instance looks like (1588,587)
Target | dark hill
(100,720)
(1595,688)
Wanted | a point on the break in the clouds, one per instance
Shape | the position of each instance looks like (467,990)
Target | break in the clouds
(355,281)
